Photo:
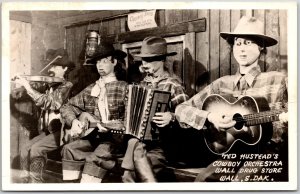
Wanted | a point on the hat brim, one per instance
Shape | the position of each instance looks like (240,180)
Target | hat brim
(268,41)
(155,55)
(71,65)
(117,53)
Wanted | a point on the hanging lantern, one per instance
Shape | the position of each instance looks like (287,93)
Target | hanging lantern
(93,39)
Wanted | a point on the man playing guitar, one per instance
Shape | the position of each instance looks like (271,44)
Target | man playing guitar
(89,158)
(248,44)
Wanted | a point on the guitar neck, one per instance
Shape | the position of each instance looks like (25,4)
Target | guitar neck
(93,124)
(262,117)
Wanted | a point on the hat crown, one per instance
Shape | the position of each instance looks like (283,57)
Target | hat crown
(154,45)
(249,25)
(104,49)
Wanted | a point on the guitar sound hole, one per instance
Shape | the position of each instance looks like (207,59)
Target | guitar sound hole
(239,121)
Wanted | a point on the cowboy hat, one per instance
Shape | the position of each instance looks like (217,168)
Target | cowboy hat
(252,28)
(105,49)
(57,57)
(153,47)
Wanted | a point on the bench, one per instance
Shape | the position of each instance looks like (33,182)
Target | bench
(53,173)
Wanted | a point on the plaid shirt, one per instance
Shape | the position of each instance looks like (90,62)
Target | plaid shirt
(168,83)
(84,102)
(51,101)
(270,85)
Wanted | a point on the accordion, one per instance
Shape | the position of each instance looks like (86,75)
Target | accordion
(143,102)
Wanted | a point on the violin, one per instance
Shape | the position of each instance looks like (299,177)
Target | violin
(41,78)
(38,82)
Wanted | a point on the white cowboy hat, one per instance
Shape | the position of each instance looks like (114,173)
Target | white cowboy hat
(252,28)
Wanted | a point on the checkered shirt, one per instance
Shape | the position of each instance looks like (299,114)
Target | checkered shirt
(270,85)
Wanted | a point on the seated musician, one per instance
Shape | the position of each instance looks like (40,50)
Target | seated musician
(248,43)
(33,155)
(88,159)
(145,159)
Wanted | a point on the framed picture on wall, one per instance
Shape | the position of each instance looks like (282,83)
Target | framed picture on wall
(231,121)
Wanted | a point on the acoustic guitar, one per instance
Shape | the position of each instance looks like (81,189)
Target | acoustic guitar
(253,122)
(89,124)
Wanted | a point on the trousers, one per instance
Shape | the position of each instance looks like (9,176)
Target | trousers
(143,161)
(33,155)
(91,156)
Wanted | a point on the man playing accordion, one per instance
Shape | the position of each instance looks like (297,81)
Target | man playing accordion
(145,158)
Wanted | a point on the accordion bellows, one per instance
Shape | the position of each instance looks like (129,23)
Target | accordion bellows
(143,102)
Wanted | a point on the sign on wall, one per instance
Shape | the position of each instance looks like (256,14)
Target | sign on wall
(141,20)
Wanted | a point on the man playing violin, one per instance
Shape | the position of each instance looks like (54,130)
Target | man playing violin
(248,43)
(89,158)
(33,155)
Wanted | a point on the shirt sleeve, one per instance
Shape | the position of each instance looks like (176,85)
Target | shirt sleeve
(74,107)
(178,96)
(54,100)
(189,113)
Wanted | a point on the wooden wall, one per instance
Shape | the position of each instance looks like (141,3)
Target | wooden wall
(213,58)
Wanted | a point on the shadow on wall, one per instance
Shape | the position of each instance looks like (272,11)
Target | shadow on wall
(134,74)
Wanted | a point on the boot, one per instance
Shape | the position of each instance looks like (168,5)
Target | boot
(144,170)
(37,166)
(129,176)
(24,174)
(85,178)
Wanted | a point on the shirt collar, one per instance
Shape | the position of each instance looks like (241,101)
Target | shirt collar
(249,77)
(101,83)
(108,79)
(157,79)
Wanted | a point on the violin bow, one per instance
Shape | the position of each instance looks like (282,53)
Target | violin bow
(58,57)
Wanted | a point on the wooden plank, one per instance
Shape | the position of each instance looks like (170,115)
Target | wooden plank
(104,28)
(165,31)
(22,16)
(117,26)
(173,16)
(175,63)
(111,27)
(247,12)
(71,43)
(81,44)
(123,23)
(214,51)
(283,37)
(272,29)
(161,18)
(189,55)
(202,53)
(178,16)
(92,17)
(225,48)
(260,15)
(235,17)
(189,14)
(78,43)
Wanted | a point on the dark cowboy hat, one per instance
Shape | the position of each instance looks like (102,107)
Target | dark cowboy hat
(105,49)
(153,47)
(252,28)
(58,57)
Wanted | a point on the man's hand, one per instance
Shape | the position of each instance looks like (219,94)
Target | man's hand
(220,122)
(22,81)
(162,119)
(76,128)
(101,129)
(284,117)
